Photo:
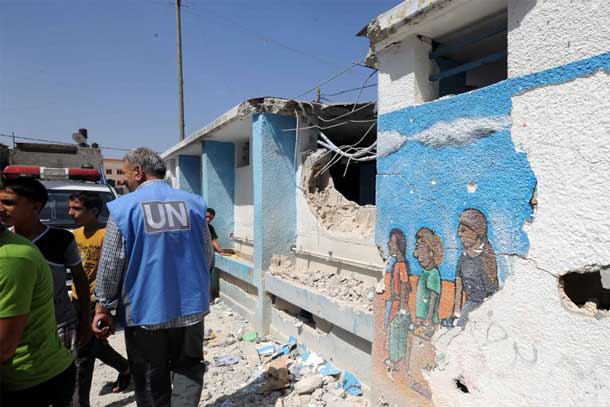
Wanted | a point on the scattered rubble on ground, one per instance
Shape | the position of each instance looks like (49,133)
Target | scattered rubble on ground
(335,212)
(269,373)
(340,287)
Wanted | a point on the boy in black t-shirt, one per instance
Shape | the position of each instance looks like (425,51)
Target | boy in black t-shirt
(21,201)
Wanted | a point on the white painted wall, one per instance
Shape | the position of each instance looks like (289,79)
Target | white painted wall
(525,346)
(545,34)
(403,75)
(172,172)
(244,203)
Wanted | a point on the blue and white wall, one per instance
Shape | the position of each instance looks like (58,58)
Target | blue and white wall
(531,153)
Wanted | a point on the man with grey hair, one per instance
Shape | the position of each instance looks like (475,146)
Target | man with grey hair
(154,270)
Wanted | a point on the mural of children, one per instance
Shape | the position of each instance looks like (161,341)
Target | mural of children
(477,271)
(397,319)
(429,254)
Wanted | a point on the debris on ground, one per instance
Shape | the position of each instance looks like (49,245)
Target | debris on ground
(238,375)
(272,373)
(226,360)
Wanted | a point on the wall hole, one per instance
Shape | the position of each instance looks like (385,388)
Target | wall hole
(355,181)
(461,386)
(583,288)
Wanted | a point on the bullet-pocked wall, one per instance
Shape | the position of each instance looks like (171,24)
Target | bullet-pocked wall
(484,200)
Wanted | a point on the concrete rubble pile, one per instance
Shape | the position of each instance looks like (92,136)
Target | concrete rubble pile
(334,211)
(340,287)
(245,369)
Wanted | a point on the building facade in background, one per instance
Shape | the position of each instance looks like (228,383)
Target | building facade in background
(55,155)
(113,171)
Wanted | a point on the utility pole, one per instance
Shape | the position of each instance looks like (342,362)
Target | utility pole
(180,84)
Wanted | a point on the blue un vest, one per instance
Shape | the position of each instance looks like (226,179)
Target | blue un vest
(167,275)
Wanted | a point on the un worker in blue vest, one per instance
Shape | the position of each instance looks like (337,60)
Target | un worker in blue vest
(154,270)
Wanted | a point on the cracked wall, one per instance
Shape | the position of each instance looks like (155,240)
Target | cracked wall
(528,199)
(333,243)
(542,349)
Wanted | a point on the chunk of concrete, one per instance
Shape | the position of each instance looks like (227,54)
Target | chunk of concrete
(309,384)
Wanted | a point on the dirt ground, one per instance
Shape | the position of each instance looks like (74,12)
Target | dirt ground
(288,381)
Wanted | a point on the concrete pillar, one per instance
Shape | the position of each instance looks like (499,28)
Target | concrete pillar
(218,185)
(404,71)
(274,200)
(189,173)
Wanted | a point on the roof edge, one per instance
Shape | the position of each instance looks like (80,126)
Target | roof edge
(266,104)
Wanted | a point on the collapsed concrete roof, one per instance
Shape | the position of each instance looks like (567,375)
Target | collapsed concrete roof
(275,105)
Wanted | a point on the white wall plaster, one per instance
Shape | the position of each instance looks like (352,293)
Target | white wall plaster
(244,203)
(565,131)
(545,34)
(523,346)
(403,75)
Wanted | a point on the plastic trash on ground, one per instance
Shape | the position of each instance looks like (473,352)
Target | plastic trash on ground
(250,336)
(314,360)
(329,370)
(266,350)
(351,384)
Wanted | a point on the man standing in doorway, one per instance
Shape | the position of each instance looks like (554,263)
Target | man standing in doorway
(154,268)
(210,214)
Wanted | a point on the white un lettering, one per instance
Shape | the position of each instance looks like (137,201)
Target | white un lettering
(162,217)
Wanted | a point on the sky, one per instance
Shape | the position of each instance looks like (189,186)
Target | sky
(111,66)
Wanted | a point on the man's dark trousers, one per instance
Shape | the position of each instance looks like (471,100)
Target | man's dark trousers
(154,354)
(85,361)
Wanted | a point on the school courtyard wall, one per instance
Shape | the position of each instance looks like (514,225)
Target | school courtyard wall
(530,155)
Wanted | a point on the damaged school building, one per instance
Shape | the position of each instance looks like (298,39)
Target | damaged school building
(450,243)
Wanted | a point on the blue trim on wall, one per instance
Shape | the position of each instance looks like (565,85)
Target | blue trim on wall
(274,186)
(218,185)
(425,186)
(190,173)
(238,269)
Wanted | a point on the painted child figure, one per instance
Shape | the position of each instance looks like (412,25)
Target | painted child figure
(397,319)
(429,254)
(476,273)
